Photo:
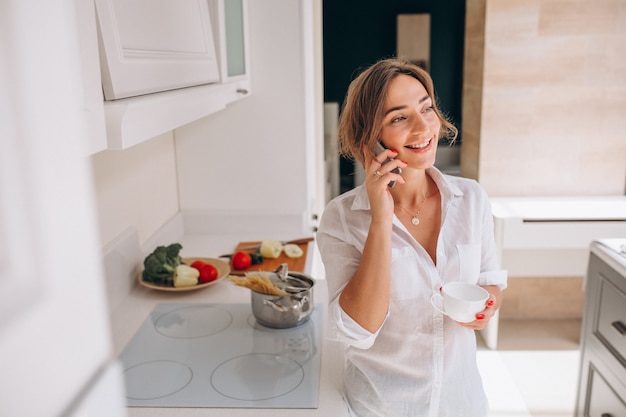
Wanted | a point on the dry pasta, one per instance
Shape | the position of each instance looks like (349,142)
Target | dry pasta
(258,282)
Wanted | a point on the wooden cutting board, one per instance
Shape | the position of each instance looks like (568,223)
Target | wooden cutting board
(270,265)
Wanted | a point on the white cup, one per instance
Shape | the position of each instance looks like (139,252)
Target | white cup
(462,300)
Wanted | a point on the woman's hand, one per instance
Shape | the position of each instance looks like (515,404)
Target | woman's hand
(491,306)
(377,179)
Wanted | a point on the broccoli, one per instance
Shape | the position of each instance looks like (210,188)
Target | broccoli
(161,264)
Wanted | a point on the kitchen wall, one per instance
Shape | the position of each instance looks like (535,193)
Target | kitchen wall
(545,97)
(136,188)
(261,160)
(250,158)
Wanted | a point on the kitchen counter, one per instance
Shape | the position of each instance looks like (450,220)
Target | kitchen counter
(130,314)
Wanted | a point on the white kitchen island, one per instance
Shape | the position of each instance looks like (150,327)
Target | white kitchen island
(132,311)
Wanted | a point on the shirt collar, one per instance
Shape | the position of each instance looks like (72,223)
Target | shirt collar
(447,188)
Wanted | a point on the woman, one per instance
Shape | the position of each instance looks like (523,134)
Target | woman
(387,249)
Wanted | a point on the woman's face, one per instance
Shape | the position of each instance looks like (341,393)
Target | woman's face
(410,124)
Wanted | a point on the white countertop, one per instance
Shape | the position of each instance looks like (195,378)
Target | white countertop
(613,252)
(133,310)
(587,208)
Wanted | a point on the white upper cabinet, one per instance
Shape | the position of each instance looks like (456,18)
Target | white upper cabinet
(236,54)
(148,46)
(230,20)
(167,63)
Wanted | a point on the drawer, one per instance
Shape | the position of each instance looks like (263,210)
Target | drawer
(611,323)
(603,401)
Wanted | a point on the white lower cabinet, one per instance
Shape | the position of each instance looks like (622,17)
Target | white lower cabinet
(603,401)
(602,386)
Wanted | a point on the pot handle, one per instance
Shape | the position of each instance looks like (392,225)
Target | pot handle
(273,305)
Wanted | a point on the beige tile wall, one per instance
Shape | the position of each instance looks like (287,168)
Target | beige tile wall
(544,107)
(544,114)
(473,86)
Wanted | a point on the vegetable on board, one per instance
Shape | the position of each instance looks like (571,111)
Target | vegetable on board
(241,260)
(271,248)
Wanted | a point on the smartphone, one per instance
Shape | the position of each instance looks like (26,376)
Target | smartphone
(379,148)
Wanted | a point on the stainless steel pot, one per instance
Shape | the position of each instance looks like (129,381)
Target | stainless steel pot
(284,311)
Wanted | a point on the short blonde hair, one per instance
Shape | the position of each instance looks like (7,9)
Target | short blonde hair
(362,114)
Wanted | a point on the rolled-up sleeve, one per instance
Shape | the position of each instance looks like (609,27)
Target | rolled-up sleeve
(344,329)
(341,260)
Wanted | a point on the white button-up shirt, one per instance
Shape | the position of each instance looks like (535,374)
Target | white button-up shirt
(419,363)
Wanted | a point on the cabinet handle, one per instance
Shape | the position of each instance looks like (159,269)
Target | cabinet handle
(606,415)
(620,327)
(242,91)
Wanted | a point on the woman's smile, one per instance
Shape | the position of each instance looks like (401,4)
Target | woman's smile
(420,146)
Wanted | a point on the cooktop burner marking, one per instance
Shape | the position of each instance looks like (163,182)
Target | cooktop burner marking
(193,322)
(284,363)
(257,376)
(172,376)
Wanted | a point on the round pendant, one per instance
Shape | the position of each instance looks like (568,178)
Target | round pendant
(415,221)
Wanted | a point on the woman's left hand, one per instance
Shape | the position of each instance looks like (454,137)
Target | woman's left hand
(491,306)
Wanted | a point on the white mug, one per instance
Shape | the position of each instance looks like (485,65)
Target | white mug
(462,300)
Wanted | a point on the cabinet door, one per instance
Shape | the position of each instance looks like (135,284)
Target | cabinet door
(230,19)
(148,46)
(235,25)
(603,400)
(95,139)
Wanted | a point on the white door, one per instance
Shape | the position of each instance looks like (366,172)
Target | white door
(149,46)
(55,347)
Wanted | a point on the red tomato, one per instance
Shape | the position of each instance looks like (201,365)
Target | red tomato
(208,273)
(198,264)
(241,260)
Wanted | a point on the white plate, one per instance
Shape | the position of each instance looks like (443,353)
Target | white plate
(223,269)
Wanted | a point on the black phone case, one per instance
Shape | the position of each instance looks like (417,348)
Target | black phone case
(379,149)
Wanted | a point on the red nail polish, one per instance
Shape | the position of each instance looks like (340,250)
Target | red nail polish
(480,316)
(404,162)
(440,288)
(394,151)
(490,303)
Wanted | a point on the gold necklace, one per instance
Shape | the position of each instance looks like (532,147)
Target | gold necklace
(415,221)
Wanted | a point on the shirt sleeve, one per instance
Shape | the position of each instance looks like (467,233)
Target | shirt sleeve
(341,260)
